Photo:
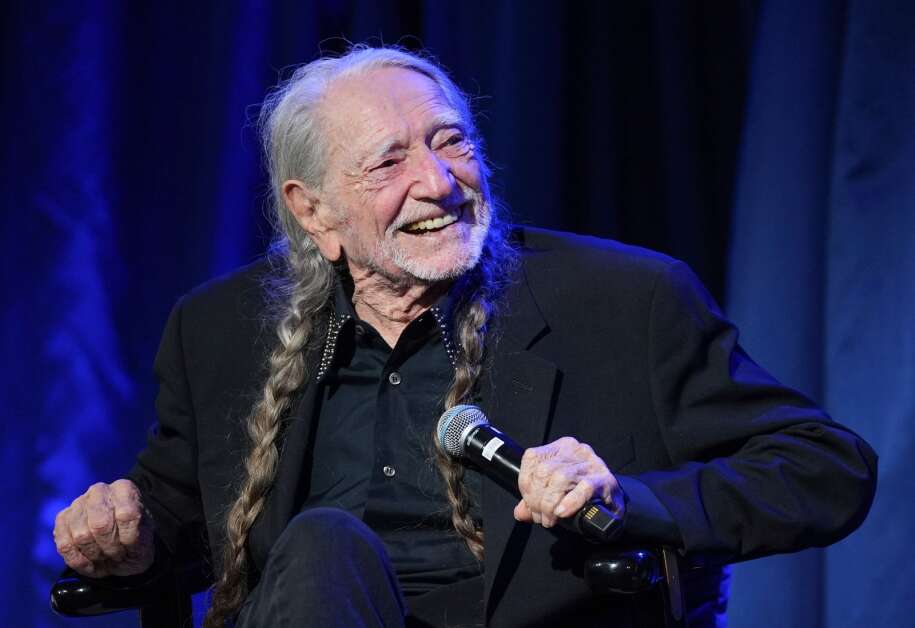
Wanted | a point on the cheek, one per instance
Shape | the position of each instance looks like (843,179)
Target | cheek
(383,205)
(467,171)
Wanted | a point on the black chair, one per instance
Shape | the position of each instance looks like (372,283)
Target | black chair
(164,601)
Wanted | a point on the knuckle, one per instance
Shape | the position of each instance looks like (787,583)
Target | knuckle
(82,537)
(567,441)
(97,490)
(549,502)
(584,450)
(585,484)
(543,471)
(64,548)
(565,474)
(127,515)
(562,479)
(125,488)
(588,486)
(100,527)
(99,515)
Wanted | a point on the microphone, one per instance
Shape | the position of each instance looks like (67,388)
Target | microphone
(464,432)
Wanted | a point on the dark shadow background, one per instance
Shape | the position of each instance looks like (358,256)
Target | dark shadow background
(767,143)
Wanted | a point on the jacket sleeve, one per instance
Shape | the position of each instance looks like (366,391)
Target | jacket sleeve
(758,468)
(166,470)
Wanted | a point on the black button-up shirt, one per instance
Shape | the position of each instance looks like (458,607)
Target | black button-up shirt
(373,442)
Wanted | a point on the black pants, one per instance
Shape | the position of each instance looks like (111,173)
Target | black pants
(329,569)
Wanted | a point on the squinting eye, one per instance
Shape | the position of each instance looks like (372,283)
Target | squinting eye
(454,140)
(387,163)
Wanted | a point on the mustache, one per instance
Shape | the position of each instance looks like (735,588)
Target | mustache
(420,212)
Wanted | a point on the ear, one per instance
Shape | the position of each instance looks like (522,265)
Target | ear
(314,217)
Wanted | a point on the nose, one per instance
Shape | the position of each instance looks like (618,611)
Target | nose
(434,180)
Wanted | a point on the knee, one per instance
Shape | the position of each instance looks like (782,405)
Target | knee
(325,531)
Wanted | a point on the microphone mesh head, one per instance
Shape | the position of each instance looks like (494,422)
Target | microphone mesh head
(455,425)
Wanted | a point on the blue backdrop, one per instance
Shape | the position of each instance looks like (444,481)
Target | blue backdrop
(767,143)
(823,281)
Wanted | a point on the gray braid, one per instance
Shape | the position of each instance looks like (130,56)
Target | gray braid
(482,289)
(309,284)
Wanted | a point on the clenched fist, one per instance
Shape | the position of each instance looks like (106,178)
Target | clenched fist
(106,532)
(557,479)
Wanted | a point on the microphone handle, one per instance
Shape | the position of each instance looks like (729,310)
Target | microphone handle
(496,454)
(499,457)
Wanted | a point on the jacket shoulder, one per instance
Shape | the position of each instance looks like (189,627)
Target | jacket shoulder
(228,316)
(558,264)
(240,284)
(239,295)
(587,250)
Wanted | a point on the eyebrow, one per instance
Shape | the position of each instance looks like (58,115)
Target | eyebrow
(446,119)
(389,145)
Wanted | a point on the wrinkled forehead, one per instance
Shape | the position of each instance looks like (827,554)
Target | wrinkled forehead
(384,104)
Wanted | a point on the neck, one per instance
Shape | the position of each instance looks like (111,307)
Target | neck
(389,307)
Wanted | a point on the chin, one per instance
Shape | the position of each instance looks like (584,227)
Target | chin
(443,264)
(445,255)
(425,271)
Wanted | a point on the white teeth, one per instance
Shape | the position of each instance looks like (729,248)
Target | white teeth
(432,223)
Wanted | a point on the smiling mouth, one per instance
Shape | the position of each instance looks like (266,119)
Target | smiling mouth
(433,224)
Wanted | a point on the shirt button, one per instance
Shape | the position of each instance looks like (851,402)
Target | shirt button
(360,330)
(394,378)
(388,471)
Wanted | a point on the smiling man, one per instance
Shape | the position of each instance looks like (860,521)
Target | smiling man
(403,199)
(299,397)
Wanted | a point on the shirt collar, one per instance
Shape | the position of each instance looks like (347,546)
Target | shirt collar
(344,314)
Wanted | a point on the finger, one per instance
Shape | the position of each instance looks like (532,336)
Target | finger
(522,512)
(575,499)
(528,462)
(583,452)
(536,518)
(128,512)
(101,523)
(536,489)
(562,481)
(77,520)
(66,547)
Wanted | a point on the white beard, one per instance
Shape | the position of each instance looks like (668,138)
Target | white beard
(380,256)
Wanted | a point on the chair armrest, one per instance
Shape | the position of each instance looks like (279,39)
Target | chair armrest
(73,595)
(636,571)
(77,596)
(622,571)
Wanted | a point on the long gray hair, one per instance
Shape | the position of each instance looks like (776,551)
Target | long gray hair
(295,146)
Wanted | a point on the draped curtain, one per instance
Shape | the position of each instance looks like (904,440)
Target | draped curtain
(766,143)
(822,281)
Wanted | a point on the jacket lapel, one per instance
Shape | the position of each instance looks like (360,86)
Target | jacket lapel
(517,398)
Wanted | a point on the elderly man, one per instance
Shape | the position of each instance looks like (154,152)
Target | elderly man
(299,396)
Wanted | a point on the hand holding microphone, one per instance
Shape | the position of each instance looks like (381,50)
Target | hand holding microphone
(562,482)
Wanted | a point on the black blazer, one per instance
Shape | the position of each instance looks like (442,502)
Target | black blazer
(618,346)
